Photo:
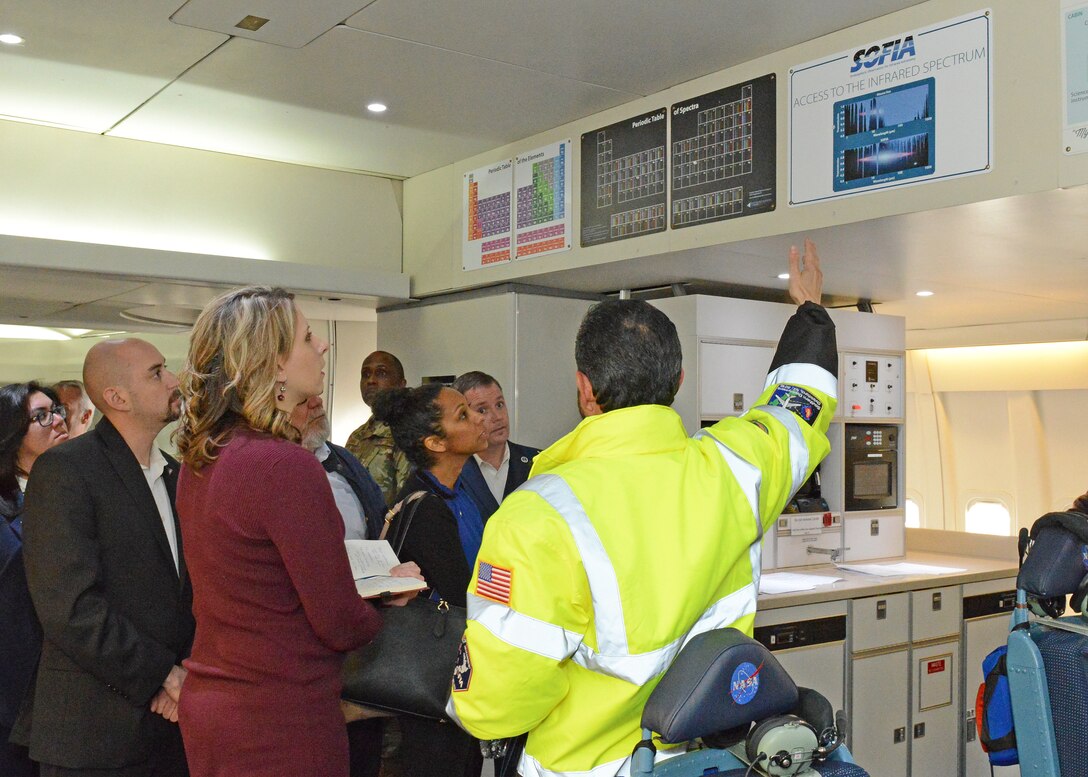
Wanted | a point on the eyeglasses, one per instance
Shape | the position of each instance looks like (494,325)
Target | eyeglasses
(44,416)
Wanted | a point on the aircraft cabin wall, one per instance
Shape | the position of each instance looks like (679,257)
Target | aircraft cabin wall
(995,429)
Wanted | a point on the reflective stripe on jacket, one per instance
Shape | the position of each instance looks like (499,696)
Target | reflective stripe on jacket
(629,539)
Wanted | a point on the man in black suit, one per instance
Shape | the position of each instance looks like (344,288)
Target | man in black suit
(490,475)
(107,576)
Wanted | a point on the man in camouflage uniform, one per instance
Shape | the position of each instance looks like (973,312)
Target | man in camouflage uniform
(372,443)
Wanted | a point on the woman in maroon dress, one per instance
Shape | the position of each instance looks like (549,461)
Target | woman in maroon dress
(273,595)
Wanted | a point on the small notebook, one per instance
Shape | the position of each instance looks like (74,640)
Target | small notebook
(371,561)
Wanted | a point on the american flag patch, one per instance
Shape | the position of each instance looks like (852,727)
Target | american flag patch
(494,582)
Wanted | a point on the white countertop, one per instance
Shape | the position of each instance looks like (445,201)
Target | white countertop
(856,585)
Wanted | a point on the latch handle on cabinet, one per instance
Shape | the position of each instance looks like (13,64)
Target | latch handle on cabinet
(835,553)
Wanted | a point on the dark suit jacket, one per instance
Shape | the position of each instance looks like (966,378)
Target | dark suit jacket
(521,461)
(365,488)
(20,634)
(115,612)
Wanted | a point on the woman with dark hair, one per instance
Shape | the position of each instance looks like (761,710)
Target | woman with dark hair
(437,432)
(273,595)
(31,422)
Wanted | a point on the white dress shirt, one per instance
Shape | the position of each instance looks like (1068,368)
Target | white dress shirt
(153,474)
(346,502)
(496,478)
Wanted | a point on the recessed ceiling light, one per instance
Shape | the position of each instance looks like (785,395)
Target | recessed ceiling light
(923,293)
(376,107)
(783,276)
(11,39)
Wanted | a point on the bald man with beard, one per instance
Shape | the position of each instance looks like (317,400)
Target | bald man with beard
(107,575)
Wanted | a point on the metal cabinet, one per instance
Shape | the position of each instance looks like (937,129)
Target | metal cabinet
(810,643)
(731,377)
(879,718)
(987,609)
(905,682)
(936,671)
(879,681)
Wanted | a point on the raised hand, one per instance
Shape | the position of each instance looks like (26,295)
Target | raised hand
(806,280)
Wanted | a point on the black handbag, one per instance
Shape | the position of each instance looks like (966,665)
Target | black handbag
(408,668)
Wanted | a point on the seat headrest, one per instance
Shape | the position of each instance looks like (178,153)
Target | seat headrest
(721,680)
(1057,559)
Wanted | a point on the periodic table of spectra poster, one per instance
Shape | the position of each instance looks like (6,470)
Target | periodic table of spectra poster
(723,154)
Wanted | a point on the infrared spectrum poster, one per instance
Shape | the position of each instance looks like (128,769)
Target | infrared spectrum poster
(913,107)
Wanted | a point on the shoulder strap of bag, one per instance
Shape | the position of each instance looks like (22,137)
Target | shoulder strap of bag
(408,507)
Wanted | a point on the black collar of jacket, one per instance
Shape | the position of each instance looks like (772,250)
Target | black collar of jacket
(128,469)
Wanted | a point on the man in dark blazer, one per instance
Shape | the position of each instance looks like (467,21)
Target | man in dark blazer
(490,475)
(107,577)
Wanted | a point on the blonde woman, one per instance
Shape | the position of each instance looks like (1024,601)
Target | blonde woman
(272,589)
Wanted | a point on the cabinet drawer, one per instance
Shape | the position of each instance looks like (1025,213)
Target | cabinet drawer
(879,621)
(935,612)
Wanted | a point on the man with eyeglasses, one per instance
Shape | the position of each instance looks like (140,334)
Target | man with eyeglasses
(107,576)
(77,405)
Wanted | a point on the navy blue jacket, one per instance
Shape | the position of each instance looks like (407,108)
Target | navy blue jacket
(20,634)
(361,482)
(521,461)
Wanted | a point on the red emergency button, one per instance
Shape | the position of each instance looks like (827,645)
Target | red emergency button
(827,520)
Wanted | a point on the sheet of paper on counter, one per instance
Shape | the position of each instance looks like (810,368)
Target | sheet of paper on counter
(789,582)
(902,568)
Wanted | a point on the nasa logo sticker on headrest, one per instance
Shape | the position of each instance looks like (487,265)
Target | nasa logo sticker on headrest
(744,684)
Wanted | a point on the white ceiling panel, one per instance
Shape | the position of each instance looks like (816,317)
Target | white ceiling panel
(641,47)
(308,105)
(54,285)
(20,310)
(88,64)
(279,22)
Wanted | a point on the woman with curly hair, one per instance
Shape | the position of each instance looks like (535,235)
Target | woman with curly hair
(31,422)
(437,432)
(273,595)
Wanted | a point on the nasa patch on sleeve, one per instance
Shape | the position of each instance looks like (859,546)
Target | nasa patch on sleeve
(462,673)
(798,401)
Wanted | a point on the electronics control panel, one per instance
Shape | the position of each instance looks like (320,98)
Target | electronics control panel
(872,386)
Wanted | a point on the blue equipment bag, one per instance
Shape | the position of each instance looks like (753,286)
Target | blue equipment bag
(993,711)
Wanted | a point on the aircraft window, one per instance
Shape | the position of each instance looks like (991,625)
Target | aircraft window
(914,514)
(986,516)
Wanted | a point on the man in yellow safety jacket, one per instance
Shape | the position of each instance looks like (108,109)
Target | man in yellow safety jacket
(630,537)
